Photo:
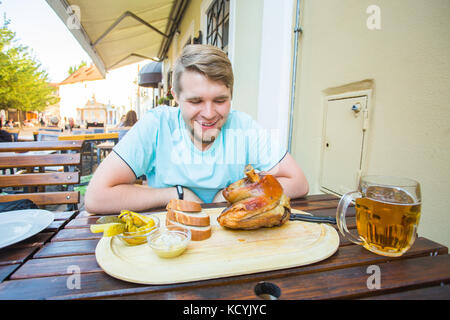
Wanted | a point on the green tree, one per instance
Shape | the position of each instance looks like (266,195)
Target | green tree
(74,68)
(23,85)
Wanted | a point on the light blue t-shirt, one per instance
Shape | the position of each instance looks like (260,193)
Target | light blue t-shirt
(159,146)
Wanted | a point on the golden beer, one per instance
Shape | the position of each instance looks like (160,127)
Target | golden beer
(387,214)
(387,228)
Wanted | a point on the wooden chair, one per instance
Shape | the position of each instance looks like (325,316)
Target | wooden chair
(39,155)
(48,135)
(14,133)
(106,147)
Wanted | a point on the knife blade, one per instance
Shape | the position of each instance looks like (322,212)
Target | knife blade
(308,218)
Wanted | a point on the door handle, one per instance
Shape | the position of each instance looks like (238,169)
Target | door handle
(356,108)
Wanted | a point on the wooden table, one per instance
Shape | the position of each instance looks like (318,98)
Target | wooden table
(90,136)
(48,266)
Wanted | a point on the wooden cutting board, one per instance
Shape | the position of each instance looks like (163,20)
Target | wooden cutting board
(226,253)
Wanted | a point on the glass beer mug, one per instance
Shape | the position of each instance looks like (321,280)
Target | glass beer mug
(387,214)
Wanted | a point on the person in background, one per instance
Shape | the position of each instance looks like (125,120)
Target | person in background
(5,136)
(54,121)
(122,120)
(130,119)
(10,124)
(71,124)
(27,123)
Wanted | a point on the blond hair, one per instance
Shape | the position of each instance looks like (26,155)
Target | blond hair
(207,60)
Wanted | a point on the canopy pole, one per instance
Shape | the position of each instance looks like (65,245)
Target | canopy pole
(297,31)
(182,5)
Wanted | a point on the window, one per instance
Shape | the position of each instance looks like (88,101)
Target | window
(218,18)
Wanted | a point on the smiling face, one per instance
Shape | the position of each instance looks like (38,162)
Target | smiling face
(204,105)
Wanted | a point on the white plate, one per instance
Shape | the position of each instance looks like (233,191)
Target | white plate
(19,225)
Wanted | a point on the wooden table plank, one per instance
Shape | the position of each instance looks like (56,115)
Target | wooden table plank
(85,214)
(346,283)
(65,215)
(15,255)
(67,248)
(314,205)
(81,223)
(76,234)
(5,271)
(37,240)
(35,268)
(325,212)
(345,257)
(334,284)
(27,289)
(55,225)
(89,136)
(316,197)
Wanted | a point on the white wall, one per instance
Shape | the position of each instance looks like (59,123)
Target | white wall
(275,67)
(409,131)
(246,55)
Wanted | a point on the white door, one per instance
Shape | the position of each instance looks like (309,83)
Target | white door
(343,139)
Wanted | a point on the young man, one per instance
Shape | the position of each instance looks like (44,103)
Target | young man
(197,149)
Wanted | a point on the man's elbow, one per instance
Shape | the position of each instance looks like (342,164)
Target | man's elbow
(88,203)
(91,203)
(305,189)
(302,187)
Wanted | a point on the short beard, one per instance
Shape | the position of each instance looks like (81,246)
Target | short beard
(203,140)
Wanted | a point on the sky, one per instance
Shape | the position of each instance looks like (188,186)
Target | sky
(39,28)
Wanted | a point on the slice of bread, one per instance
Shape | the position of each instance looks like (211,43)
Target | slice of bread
(184,205)
(199,219)
(197,233)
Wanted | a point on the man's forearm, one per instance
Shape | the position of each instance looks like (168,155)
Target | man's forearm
(127,196)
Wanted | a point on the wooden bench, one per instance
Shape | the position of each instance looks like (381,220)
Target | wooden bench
(33,158)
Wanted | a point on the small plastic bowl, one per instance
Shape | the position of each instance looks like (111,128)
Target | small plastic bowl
(139,237)
(170,241)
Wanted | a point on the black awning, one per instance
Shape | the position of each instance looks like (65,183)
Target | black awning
(150,75)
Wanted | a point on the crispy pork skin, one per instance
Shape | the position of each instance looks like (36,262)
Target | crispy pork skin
(256,201)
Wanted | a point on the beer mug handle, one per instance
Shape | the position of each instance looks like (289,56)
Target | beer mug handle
(345,201)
